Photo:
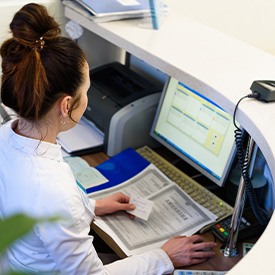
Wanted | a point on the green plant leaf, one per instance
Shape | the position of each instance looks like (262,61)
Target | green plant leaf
(16,226)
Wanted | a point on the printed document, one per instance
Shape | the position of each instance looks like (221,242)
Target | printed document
(174,213)
(84,174)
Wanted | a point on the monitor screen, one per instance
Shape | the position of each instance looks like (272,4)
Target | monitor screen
(196,129)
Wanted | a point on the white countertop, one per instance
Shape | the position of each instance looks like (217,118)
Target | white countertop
(218,66)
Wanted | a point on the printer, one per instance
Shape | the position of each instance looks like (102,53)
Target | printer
(122,105)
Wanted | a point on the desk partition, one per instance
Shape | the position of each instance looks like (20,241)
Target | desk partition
(220,67)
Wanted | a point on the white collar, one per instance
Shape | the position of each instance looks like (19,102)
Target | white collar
(33,146)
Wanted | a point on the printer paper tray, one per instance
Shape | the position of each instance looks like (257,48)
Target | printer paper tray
(83,138)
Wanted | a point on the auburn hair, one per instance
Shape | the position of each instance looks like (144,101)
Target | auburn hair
(39,66)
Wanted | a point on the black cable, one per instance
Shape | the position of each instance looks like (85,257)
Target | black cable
(252,95)
(242,154)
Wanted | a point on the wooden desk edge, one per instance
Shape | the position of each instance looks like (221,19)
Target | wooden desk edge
(108,240)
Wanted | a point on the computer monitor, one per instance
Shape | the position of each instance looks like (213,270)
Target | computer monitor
(196,129)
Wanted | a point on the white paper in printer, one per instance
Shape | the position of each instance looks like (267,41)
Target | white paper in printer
(84,135)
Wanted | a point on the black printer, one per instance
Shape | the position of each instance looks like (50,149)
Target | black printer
(122,105)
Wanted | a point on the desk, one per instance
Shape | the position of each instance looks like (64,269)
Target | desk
(218,262)
(220,67)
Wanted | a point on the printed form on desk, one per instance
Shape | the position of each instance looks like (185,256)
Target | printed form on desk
(174,213)
(85,175)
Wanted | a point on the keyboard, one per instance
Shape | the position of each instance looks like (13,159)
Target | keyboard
(196,191)
(197,272)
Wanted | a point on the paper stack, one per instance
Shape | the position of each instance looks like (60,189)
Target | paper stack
(110,10)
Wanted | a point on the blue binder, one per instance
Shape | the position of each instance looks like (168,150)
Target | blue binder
(120,168)
(115,7)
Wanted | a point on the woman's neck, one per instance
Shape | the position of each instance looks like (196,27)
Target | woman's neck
(40,130)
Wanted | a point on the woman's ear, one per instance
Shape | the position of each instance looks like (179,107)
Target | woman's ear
(65,104)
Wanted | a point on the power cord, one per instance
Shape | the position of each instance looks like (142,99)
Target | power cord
(242,155)
(252,95)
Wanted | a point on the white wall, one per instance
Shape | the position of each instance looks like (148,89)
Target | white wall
(251,21)
(98,50)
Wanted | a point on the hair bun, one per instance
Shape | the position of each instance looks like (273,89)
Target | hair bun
(31,23)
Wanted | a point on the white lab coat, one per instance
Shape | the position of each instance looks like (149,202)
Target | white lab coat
(35,180)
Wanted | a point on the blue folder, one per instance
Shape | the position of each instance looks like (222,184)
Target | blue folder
(119,168)
(115,7)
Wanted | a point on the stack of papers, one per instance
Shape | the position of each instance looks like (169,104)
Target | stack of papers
(101,8)
(173,211)
(110,10)
(83,138)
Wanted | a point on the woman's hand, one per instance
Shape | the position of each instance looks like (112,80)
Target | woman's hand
(184,251)
(113,203)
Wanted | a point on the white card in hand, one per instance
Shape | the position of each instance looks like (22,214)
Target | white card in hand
(143,207)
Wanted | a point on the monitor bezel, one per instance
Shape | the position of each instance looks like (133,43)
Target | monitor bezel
(232,155)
